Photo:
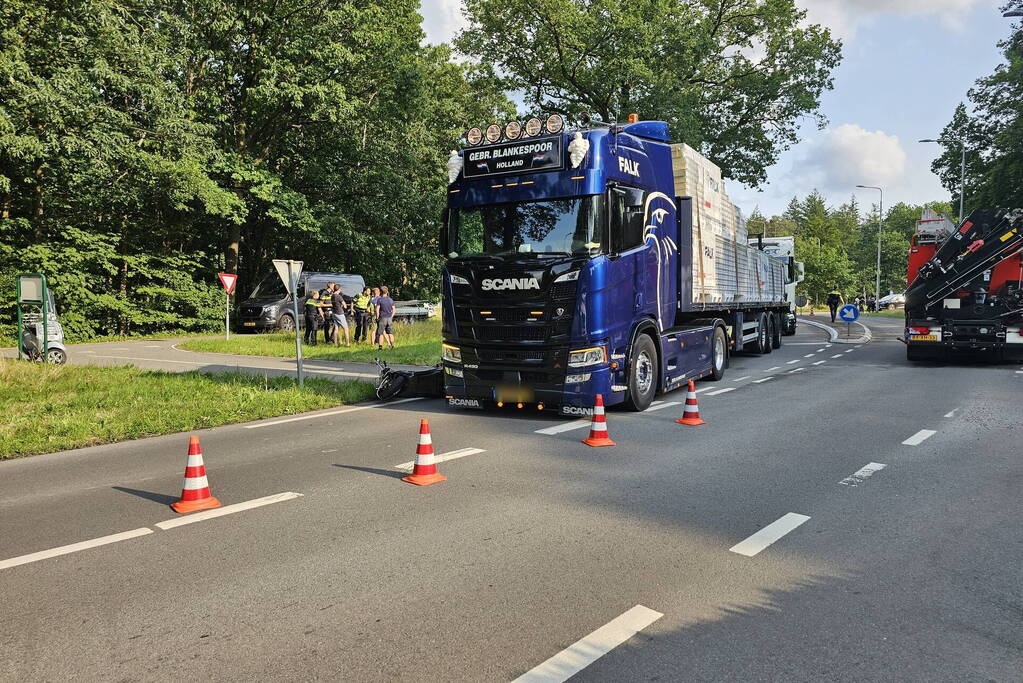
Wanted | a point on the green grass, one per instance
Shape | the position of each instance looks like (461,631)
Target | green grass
(10,342)
(53,408)
(415,344)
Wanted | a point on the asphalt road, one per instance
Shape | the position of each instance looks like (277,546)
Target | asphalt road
(902,573)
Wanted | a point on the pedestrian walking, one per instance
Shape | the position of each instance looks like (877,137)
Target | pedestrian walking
(871,303)
(361,306)
(313,315)
(384,306)
(835,300)
(338,312)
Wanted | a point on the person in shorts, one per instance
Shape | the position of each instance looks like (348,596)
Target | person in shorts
(338,312)
(384,306)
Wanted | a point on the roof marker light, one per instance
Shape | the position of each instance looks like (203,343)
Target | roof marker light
(474,136)
(533,127)
(555,122)
(493,132)
(512,130)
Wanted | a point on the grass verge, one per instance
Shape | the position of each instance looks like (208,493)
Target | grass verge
(415,344)
(53,408)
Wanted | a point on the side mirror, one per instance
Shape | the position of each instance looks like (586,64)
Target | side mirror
(801,270)
(443,239)
(801,300)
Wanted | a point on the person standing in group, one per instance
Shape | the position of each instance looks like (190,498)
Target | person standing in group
(328,322)
(312,317)
(835,300)
(861,302)
(384,305)
(338,312)
(361,306)
(871,303)
(373,314)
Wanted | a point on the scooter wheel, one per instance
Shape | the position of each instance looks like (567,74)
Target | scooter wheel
(56,357)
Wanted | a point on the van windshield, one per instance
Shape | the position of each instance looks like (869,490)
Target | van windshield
(269,287)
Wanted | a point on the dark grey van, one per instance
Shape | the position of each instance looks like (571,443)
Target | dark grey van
(269,306)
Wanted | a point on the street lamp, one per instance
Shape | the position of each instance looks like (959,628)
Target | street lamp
(880,218)
(962,172)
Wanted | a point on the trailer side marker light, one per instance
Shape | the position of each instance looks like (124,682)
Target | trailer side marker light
(511,184)
(453,191)
(519,406)
(494,187)
(539,406)
(500,404)
(485,312)
(614,365)
(578,177)
(1007,236)
(527,182)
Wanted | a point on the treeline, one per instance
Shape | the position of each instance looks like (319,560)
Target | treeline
(838,245)
(145,146)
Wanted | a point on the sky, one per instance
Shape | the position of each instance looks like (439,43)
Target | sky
(906,65)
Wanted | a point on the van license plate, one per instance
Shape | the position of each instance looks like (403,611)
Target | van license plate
(249,324)
(924,337)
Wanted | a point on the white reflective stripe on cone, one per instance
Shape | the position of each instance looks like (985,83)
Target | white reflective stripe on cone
(194,460)
(194,483)
(425,459)
(425,440)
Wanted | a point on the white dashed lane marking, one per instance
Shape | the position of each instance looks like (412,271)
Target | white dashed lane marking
(791,362)
(759,381)
(820,350)
(444,457)
(849,350)
(837,355)
(810,355)
(919,437)
(567,426)
(739,379)
(327,414)
(951,413)
(663,405)
(796,370)
(582,653)
(820,361)
(721,391)
(776,367)
(73,548)
(769,534)
(860,475)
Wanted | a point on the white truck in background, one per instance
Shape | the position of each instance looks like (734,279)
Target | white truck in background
(784,248)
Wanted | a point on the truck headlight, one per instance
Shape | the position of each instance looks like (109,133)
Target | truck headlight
(584,357)
(452,354)
(568,277)
(457,279)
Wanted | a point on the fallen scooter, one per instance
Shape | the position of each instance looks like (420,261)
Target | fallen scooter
(32,337)
(394,384)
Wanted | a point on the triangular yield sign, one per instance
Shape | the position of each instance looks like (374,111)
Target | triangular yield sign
(229,280)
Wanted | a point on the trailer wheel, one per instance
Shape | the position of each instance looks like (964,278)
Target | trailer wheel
(718,354)
(643,374)
(763,343)
(776,325)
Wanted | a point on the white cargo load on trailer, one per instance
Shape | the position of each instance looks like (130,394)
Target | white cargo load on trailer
(725,269)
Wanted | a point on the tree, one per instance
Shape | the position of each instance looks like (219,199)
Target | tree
(734,78)
(993,134)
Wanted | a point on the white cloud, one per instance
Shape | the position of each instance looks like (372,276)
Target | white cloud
(844,17)
(849,155)
(441,19)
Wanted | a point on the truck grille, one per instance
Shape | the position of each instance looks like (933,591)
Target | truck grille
(563,290)
(511,355)
(511,333)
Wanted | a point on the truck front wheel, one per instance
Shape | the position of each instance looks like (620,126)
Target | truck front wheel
(643,374)
(718,354)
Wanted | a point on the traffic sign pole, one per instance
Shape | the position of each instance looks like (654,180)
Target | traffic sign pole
(298,339)
(228,280)
(227,316)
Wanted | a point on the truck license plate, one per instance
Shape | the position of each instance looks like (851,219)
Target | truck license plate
(249,324)
(924,337)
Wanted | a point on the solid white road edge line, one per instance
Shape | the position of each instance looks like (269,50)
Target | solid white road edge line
(450,455)
(857,477)
(769,534)
(328,414)
(227,510)
(582,653)
(663,405)
(721,391)
(760,381)
(919,437)
(73,548)
(568,426)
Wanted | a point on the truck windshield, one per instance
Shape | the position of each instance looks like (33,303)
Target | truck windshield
(560,226)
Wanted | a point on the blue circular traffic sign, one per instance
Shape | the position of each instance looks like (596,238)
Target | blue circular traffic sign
(849,313)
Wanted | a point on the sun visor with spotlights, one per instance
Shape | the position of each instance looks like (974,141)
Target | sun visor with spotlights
(528,156)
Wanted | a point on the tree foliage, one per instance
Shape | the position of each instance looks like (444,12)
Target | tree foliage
(733,78)
(992,132)
(144,146)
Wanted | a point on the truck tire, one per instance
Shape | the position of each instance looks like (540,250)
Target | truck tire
(643,374)
(718,354)
(286,323)
(763,343)
(790,328)
(776,325)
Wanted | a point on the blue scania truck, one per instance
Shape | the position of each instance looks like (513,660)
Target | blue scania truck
(603,260)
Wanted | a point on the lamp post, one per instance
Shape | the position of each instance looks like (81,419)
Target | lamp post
(880,223)
(962,173)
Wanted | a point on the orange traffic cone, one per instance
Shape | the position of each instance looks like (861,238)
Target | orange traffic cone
(425,471)
(691,413)
(598,426)
(195,494)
